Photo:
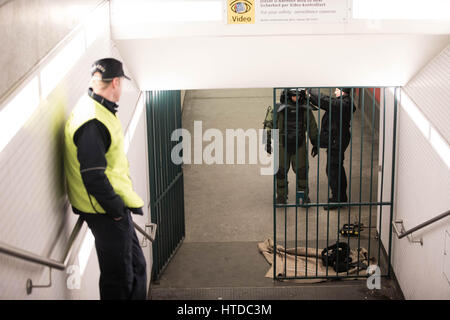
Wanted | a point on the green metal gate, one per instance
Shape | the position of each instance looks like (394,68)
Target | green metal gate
(163,110)
(306,226)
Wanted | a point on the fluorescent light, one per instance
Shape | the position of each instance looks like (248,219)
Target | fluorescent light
(440,145)
(93,29)
(401,9)
(168,11)
(133,123)
(85,250)
(61,64)
(416,115)
(17,112)
(437,142)
(96,25)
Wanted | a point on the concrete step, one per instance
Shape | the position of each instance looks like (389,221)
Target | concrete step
(355,291)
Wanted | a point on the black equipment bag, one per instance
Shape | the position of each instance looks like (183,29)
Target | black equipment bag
(337,256)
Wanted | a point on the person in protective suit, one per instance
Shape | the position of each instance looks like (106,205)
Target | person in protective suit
(333,140)
(287,113)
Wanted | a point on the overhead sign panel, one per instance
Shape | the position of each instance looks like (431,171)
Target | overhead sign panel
(282,11)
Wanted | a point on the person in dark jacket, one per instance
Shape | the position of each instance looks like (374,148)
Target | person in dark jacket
(335,137)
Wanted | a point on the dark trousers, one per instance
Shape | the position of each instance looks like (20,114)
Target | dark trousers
(336,165)
(123,273)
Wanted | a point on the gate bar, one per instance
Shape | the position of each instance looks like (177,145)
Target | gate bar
(285,183)
(296,176)
(329,166)
(339,173)
(360,170)
(355,204)
(274,117)
(394,140)
(350,171)
(371,170)
(382,176)
(318,179)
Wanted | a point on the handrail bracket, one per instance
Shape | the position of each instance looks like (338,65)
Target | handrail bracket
(402,231)
(30,284)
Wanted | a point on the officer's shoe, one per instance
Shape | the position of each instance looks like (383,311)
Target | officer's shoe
(281,199)
(306,201)
(336,204)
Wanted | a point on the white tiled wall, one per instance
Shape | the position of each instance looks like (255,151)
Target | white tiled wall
(430,90)
(33,203)
(422,185)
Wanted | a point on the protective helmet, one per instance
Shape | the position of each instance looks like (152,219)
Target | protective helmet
(346,90)
(300,93)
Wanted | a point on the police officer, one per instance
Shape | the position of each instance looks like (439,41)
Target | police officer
(332,142)
(287,112)
(99,186)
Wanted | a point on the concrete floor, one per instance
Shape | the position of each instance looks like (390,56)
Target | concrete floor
(236,270)
(229,209)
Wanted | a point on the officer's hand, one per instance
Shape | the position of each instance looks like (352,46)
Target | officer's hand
(314,151)
(269,148)
(137,211)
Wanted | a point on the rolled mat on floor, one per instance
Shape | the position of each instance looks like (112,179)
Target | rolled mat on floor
(309,262)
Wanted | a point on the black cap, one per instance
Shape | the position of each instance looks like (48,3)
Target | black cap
(109,68)
(300,92)
(346,90)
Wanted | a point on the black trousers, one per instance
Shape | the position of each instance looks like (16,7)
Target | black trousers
(123,273)
(336,165)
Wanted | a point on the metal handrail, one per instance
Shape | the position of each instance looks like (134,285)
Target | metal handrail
(32,257)
(151,236)
(61,265)
(403,233)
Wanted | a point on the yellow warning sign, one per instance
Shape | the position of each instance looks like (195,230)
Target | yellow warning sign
(241,11)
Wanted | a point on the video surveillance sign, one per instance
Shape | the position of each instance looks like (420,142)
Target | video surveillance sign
(287,11)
